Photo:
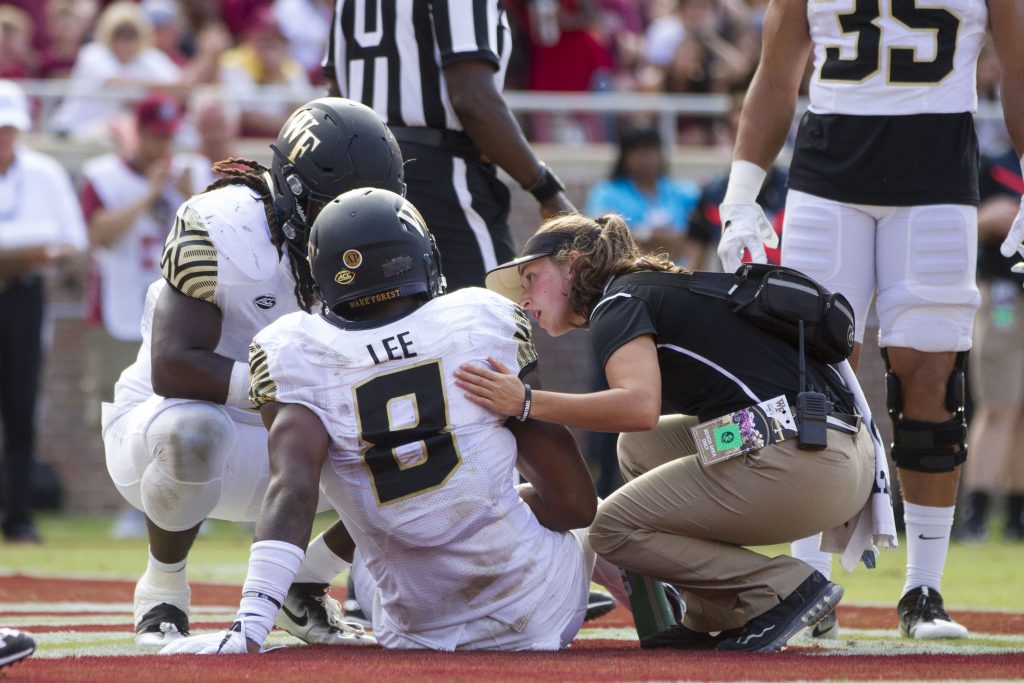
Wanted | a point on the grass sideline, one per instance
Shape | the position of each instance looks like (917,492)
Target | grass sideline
(977,575)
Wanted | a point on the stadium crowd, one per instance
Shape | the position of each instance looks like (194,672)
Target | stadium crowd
(203,67)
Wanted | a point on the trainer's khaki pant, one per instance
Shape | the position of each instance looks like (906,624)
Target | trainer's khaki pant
(680,521)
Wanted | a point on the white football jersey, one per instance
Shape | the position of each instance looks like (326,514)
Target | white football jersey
(421,476)
(895,57)
(219,251)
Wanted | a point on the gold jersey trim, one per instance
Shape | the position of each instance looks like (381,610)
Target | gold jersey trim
(189,261)
(262,388)
(526,354)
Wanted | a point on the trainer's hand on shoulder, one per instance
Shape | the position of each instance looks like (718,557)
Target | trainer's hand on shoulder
(498,390)
(229,642)
(744,226)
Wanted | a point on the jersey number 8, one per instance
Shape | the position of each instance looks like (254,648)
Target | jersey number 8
(903,68)
(421,387)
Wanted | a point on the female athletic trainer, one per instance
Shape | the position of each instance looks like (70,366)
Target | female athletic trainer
(677,360)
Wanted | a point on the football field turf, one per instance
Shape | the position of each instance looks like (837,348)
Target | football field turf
(74,595)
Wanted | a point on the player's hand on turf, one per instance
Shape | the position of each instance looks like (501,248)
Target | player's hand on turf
(229,642)
(496,388)
(744,227)
(1014,242)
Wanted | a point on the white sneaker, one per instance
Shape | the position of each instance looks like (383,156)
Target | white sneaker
(309,613)
(161,613)
(923,617)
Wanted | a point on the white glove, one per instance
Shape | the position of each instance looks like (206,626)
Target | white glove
(744,226)
(230,642)
(1014,242)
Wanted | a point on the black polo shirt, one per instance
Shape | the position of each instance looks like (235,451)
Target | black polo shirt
(712,361)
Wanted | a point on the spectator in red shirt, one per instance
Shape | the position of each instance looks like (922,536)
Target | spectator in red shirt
(567,55)
(67,23)
(129,202)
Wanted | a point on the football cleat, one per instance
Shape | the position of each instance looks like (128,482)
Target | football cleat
(161,625)
(161,614)
(599,604)
(353,613)
(811,602)
(309,613)
(14,646)
(922,616)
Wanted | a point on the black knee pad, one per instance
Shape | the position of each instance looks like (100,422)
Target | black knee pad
(929,446)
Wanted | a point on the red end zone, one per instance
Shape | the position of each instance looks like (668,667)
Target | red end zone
(593,659)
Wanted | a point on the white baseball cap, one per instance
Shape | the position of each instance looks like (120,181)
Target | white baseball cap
(504,279)
(14,106)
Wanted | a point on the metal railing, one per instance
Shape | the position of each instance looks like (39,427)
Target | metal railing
(665,107)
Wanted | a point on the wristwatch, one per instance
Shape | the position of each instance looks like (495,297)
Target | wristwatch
(546,186)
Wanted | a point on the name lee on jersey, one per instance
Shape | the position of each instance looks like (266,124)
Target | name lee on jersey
(393,348)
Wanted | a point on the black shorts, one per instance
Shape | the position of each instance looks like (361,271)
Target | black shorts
(465,206)
(910,160)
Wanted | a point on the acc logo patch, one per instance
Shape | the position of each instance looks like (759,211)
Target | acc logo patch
(352,258)
(344,277)
(265,301)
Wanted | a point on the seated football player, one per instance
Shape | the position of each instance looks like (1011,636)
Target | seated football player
(361,401)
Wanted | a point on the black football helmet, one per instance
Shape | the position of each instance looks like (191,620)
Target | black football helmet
(369,246)
(327,147)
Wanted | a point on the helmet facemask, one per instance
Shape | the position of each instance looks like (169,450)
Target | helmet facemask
(297,204)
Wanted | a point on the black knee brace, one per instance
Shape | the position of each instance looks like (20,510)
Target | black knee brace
(929,446)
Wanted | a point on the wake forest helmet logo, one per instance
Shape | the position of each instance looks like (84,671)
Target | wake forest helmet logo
(411,216)
(352,258)
(298,133)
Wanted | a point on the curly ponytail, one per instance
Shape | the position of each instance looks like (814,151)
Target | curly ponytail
(605,249)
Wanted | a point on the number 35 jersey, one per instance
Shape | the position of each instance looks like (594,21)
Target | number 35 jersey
(892,96)
(421,476)
(895,57)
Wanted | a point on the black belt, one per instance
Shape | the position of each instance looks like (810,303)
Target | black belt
(455,142)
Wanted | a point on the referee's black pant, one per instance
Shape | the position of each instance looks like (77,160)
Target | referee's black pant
(465,206)
(21,323)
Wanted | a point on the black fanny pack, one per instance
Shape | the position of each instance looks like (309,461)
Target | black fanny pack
(775,299)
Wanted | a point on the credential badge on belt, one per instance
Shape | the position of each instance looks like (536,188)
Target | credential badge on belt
(745,430)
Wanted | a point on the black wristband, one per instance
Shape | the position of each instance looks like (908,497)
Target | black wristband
(546,186)
(527,402)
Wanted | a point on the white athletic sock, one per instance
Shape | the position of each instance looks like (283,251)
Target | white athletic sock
(806,549)
(163,575)
(321,565)
(927,544)
(272,567)
(167,568)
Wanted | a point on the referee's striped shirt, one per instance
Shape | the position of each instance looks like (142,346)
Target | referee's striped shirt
(389,54)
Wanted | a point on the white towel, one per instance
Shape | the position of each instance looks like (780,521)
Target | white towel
(874,526)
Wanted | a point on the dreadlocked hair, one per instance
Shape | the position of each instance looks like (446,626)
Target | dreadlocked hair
(237,171)
(605,249)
